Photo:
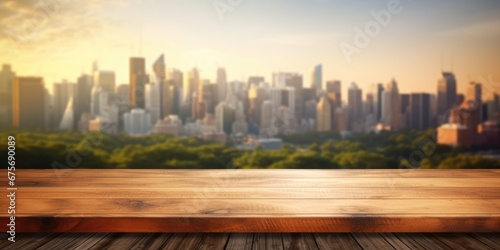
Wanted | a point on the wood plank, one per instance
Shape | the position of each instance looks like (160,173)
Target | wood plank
(60,242)
(492,240)
(249,224)
(212,241)
(191,241)
(253,193)
(86,241)
(174,241)
(255,207)
(336,241)
(372,241)
(400,183)
(151,241)
(267,241)
(32,242)
(257,173)
(396,242)
(406,239)
(240,241)
(117,241)
(4,242)
(461,241)
(298,241)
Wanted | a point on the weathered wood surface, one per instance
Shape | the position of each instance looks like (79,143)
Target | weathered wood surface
(251,241)
(256,201)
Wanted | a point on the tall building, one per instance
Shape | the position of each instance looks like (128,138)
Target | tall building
(355,106)
(379,93)
(6,81)
(334,91)
(391,106)
(255,80)
(138,78)
(283,97)
(256,96)
(28,103)
(317,78)
(266,118)
(222,87)
(324,114)
(419,111)
(474,97)
(82,97)
(446,94)
(405,110)
(224,117)
(190,85)
(160,76)
(63,92)
(137,122)
(104,85)
(295,81)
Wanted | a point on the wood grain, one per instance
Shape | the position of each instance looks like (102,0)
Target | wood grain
(232,201)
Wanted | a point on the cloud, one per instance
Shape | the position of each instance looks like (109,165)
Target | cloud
(29,25)
(484,29)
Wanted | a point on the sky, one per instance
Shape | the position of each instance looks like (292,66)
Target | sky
(59,39)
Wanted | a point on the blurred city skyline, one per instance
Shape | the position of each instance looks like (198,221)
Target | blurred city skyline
(60,39)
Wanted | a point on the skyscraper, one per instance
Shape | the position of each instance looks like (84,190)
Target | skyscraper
(474,97)
(379,92)
(222,87)
(82,97)
(63,92)
(334,91)
(355,106)
(447,93)
(137,122)
(6,81)
(154,90)
(317,78)
(28,103)
(419,111)
(138,78)
(103,89)
(391,106)
(224,117)
(324,114)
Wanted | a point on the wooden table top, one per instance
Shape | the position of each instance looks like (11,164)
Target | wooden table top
(256,201)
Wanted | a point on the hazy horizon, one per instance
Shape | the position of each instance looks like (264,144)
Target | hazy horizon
(255,38)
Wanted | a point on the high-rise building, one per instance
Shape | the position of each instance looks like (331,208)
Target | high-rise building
(266,118)
(137,122)
(317,78)
(160,76)
(28,103)
(446,94)
(419,111)
(6,81)
(82,97)
(222,87)
(190,85)
(324,114)
(334,91)
(391,106)
(63,92)
(255,80)
(256,96)
(224,117)
(355,106)
(295,81)
(283,97)
(474,97)
(379,93)
(138,78)
(405,110)
(104,83)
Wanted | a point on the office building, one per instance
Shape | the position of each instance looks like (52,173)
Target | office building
(28,103)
